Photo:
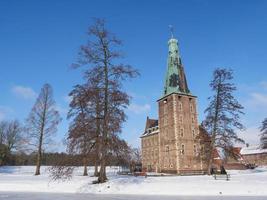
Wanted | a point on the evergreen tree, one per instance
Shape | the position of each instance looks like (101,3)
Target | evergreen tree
(223,113)
(263,138)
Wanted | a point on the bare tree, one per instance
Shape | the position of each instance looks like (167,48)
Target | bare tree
(13,135)
(97,107)
(263,130)
(42,122)
(100,55)
(223,113)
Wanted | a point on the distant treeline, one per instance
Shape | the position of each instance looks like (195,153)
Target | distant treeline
(49,159)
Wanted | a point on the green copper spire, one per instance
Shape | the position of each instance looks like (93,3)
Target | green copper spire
(175,78)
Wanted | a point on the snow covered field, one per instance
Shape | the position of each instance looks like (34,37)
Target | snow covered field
(248,182)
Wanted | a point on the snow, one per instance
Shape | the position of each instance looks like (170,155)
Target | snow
(246,182)
(252,150)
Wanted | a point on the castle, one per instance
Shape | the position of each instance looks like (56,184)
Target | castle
(172,144)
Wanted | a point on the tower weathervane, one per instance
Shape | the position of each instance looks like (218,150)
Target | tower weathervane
(171,29)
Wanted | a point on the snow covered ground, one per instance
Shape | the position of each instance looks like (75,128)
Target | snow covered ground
(247,182)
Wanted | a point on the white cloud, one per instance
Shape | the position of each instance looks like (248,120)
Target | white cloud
(138,109)
(24,92)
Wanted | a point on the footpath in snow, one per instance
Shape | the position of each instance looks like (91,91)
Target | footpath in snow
(245,182)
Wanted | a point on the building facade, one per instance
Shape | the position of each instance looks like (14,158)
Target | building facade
(172,143)
(254,155)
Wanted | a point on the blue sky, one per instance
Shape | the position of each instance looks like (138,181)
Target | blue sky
(39,40)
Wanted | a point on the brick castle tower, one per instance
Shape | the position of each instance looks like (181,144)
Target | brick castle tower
(171,143)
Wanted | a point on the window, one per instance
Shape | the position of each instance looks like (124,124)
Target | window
(167,149)
(165,121)
(180,106)
(165,107)
(191,108)
(182,132)
(181,119)
(193,119)
(182,149)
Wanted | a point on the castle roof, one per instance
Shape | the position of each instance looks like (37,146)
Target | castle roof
(151,123)
(152,127)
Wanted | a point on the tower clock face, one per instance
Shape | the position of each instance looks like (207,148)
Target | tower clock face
(173,81)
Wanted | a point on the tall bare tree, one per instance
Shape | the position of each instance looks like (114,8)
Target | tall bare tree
(263,130)
(100,55)
(223,113)
(42,122)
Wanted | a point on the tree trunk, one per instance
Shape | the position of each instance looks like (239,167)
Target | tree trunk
(102,174)
(210,159)
(96,169)
(39,158)
(85,172)
(96,173)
